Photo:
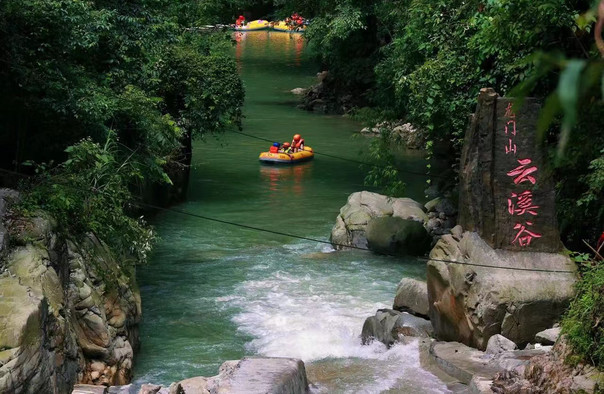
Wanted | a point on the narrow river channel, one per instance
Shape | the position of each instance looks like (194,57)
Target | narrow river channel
(214,292)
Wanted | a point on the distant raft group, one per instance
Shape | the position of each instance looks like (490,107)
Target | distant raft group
(293,24)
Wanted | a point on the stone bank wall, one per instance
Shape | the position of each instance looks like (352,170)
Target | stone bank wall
(69,311)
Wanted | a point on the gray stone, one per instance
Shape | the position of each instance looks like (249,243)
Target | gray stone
(412,296)
(548,337)
(470,303)
(499,344)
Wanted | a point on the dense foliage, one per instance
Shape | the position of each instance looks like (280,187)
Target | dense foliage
(425,61)
(113,87)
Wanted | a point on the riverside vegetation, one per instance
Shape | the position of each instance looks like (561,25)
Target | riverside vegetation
(113,90)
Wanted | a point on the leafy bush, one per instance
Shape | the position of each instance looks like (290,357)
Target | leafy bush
(89,193)
(584,321)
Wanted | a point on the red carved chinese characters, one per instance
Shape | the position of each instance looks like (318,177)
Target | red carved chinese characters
(510,129)
(524,236)
(522,172)
(508,112)
(523,204)
(520,203)
(511,147)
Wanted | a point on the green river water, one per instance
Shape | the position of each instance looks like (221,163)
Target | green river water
(214,292)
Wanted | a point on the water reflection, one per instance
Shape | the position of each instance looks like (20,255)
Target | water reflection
(280,43)
(285,179)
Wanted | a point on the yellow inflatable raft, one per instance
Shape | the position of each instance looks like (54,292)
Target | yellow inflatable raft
(287,158)
(283,26)
(258,24)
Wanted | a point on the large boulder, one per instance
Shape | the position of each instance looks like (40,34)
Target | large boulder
(362,207)
(472,301)
(395,236)
(412,296)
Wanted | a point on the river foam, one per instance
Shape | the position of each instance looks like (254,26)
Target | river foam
(315,313)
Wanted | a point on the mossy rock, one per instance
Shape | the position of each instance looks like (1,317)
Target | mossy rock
(396,236)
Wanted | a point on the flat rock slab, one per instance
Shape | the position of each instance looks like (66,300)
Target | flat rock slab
(467,364)
(88,389)
(266,375)
(461,361)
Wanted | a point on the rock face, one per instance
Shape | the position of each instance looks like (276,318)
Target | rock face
(412,296)
(362,208)
(469,304)
(68,312)
(253,375)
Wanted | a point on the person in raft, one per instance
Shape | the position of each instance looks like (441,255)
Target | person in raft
(240,21)
(297,143)
(286,148)
(275,147)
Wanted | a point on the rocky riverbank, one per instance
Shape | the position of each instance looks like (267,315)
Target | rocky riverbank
(69,309)
(485,317)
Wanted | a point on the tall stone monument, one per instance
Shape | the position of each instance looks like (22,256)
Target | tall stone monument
(504,273)
(506,192)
